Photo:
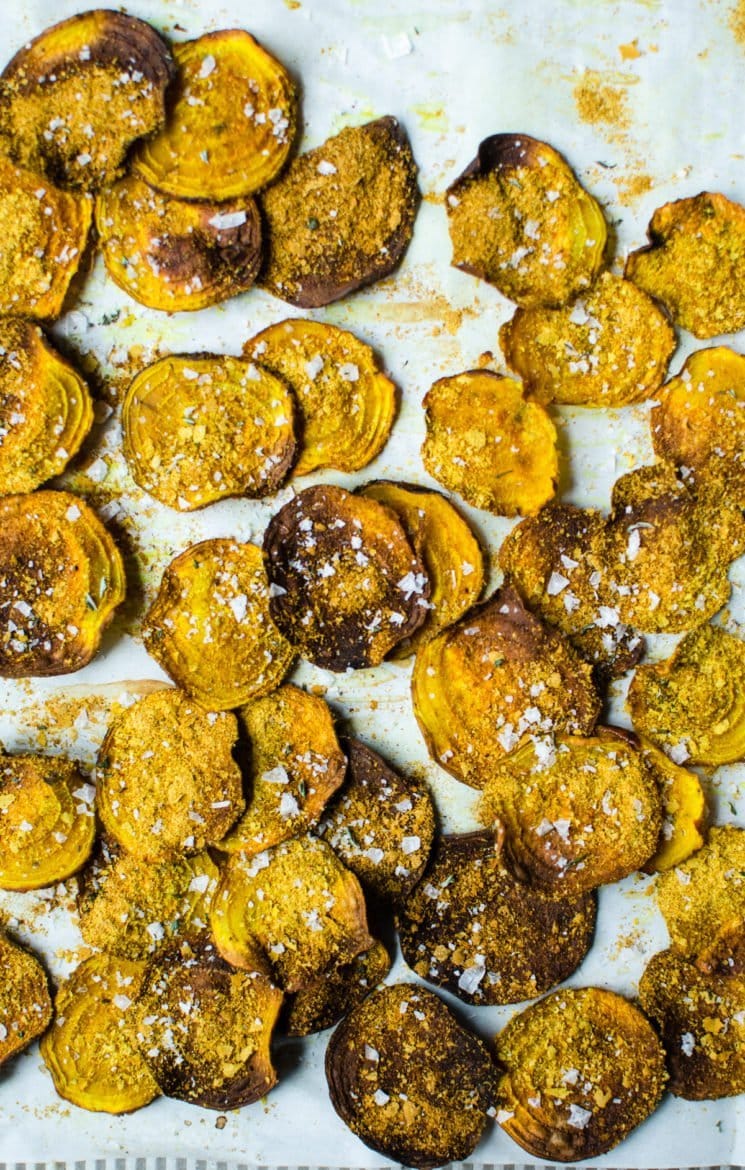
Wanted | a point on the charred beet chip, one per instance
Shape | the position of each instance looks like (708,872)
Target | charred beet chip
(346,403)
(693,703)
(588,814)
(296,765)
(47,821)
(205,1028)
(703,899)
(25,1003)
(167,780)
(175,255)
(328,1000)
(231,122)
(408,1079)
(61,578)
(346,585)
(210,627)
(45,408)
(702,1023)
(91,1050)
(381,825)
(342,216)
(448,548)
(488,444)
(495,678)
(695,263)
(472,927)
(198,428)
(520,219)
(609,348)
(583,1067)
(44,237)
(74,99)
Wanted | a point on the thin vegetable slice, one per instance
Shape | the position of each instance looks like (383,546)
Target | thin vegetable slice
(684,807)
(45,408)
(25,1003)
(296,766)
(231,121)
(488,444)
(210,627)
(199,428)
(45,232)
(75,98)
(61,578)
(346,403)
(175,255)
(703,898)
(695,263)
(693,703)
(495,678)
(328,1000)
(345,584)
(610,347)
(47,825)
(91,1050)
(342,216)
(520,219)
(448,548)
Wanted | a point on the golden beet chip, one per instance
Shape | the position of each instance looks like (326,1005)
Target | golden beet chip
(496,677)
(74,99)
(25,1003)
(695,263)
(609,348)
(205,1028)
(582,1068)
(323,1003)
(61,578)
(197,429)
(296,765)
(519,218)
(471,926)
(129,907)
(664,554)
(485,442)
(299,903)
(210,627)
(231,120)
(45,408)
(703,898)
(47,824)
(408,1079)
(381,825)
(91,1049)
(346,403)
(693,703)
(346,586)
(167,780)
(684,808)
(175,255)
(448,548)
(555,560)
(342,216)
(702,1023)
(45,231)
(580,815)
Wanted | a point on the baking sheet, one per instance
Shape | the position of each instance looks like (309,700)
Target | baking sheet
(642,96)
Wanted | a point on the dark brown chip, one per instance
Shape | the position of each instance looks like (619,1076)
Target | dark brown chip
(408,1079)
(471,926)
(346,585)
(328,1000)
(380,824)
(341,216)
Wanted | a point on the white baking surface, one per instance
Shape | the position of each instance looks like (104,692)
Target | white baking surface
(453,72)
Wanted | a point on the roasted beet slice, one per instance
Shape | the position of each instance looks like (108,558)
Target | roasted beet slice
(472,927)
(703,899)
(684,806)
(25,1003)
(346,585)
(75,98)
(328,1000)
(341,216)
(408,1079)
